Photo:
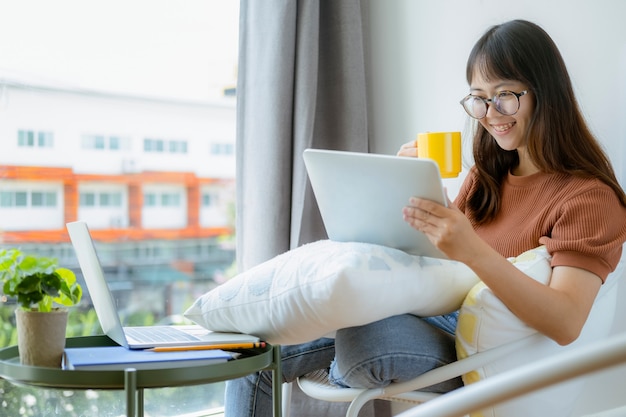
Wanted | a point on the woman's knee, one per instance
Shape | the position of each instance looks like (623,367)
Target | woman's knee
(391,350)
(381,372)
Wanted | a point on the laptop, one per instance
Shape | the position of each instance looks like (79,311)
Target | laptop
(142,337)
(361,196)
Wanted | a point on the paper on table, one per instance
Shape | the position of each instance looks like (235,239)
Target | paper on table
(119,358)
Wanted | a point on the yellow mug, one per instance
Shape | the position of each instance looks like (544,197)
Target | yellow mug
(444,148)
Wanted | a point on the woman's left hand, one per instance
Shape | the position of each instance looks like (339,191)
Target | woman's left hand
(446,227)
(408,149)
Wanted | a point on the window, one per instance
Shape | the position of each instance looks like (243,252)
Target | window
(222,149)
(170,199)
(178,146)
(45,139)
(111,199)
(162,199)
(6,199)
(13,198)
(162,145)
(93,142)
(209,199)
(43,199)
(87,199)
(100,199)
(150,200)
(119,115)
(153,145)
(26,138)
(104,142)
(115,143)
(21,199)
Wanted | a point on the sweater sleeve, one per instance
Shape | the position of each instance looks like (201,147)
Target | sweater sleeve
(589,231)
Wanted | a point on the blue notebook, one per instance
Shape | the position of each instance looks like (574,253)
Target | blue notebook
(119,358)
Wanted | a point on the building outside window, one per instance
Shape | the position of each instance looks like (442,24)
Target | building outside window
(177,146)
(162,145)
(87,199)
(102,199)
(28,199)
(105,129)
(13,198)
(26,138)
(150,200)
(209,199)
(115,142)
(43,199)
(45,139)
(93,142)
(153,145)
(224,149)
(105,142)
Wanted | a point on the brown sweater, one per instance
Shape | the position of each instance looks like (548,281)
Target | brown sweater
(581,221)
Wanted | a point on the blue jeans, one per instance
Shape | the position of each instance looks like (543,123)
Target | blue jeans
(395,349)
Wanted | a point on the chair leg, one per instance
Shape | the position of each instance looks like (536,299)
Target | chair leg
(286,400)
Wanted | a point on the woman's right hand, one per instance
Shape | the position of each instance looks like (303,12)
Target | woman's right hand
(408,149)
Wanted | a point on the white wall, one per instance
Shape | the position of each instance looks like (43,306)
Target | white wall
(420,47)
(419,51)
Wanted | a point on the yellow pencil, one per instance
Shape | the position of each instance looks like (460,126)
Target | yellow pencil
(225,346)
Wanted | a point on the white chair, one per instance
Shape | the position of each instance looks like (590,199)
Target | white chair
(536,346)
(545,372)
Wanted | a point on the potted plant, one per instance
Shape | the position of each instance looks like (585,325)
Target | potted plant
(42,290)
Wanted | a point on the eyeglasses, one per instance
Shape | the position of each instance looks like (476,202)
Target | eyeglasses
(506,102)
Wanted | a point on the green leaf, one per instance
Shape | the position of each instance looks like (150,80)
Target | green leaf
(28,284)
(50,284)
(36,281)
(70,292)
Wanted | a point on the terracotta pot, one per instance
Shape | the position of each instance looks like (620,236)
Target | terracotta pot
(41,337)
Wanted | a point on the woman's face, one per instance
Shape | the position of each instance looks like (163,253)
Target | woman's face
(508,131)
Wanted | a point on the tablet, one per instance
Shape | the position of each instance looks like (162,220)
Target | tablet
(361,196)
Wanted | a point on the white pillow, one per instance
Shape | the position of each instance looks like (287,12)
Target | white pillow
(318,288)
(485,322)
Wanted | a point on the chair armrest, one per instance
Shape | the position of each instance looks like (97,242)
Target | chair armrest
(443,373)
(522,380)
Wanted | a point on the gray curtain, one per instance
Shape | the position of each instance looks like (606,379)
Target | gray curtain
(302,84)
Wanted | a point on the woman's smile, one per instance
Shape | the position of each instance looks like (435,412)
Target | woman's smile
(503,128)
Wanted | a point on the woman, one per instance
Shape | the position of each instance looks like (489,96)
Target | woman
(540,178)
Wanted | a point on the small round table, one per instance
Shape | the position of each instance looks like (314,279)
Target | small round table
(133,381)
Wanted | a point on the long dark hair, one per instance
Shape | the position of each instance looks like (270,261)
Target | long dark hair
(558,138)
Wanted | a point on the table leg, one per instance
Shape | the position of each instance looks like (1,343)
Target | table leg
(277,381)
(140,402)
(130,388)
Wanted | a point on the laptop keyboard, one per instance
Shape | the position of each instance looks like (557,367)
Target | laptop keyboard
(155,334)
